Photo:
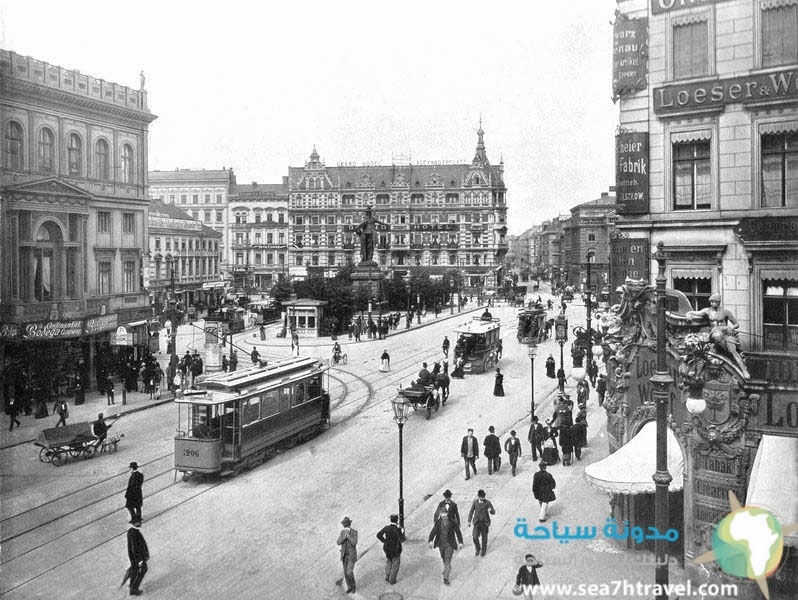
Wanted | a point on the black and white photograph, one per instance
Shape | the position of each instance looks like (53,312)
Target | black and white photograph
(282,284)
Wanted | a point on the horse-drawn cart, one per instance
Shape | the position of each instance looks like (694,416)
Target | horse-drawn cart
(57,444)
(423,397)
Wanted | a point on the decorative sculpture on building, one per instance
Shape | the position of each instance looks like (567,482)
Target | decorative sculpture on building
(723,331)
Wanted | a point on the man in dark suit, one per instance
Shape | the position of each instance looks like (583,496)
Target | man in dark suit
(512,445)
(447,506)
(392,537)
(543,485)
(536,437)
(528,574)
(446,536)
(493,451)
(479,515)
(347,539)
(133,496)
(469,450)
(139,554)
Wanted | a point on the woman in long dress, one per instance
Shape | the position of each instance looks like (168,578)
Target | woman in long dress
(385,362)
(550,453)
(498,388)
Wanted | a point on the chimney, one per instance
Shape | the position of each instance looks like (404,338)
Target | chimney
(254,184)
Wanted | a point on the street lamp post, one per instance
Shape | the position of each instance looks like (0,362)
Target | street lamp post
(410,317)
(400,409)
(533,351)
(662,381)
(589,352)
(561,335)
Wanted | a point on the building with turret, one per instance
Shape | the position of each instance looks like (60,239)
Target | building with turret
(442,216)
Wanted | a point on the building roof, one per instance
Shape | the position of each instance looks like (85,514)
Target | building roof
(603,202)
(257,189)
(159,208)
(211,232)
(191,175)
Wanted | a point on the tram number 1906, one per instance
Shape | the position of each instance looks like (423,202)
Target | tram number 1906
(191,452)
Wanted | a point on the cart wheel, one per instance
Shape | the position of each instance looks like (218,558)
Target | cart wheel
(88,451)
(437,403)
(429,410)
(75,452)
(59,458)
(45,456)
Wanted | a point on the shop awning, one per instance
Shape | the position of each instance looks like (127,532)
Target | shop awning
(629,469)
(136,323)
(774,481)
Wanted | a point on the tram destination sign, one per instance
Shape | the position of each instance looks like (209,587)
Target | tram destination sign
(631,173)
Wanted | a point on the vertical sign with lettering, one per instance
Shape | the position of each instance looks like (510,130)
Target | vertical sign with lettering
(631,173)
(629,55)
(629,257)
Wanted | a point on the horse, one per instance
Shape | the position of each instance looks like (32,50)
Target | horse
(441,381)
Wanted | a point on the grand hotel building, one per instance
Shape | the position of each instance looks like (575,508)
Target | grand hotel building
(443,217)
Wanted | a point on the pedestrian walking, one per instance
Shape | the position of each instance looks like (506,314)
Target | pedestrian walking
(492,451)
(535,438)
(527,578)
(254,356)
(445,346)
(550,366)
(139,554)
(262,332)
(225,363)
(566,443)
(385,362)
(479,515)
(392,536)
(62,408)
(601,388)
(447,538)
(550,453)
(543,485)
(13,411)
(109,390)
(579,433)
(469,450)
(512,446)
(582,392)
(498,386)
(347,539)
(592,371)
(448,506)
(133,495)
(233,360)
(499,348)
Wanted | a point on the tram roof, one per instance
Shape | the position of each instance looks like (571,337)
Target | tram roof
(222,387)
(477,325)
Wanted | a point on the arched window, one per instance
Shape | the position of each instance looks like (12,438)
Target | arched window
(128,168)
(102,163)
(75,155)
(46,150)
(14,146)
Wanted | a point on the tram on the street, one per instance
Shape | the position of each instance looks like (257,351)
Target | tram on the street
(478,344)
(233,421)
(532,324)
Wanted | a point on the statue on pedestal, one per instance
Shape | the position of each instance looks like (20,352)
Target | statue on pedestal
(367,232)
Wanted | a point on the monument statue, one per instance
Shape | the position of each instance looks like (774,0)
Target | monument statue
(367,232)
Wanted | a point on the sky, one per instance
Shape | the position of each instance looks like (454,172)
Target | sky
(255,86)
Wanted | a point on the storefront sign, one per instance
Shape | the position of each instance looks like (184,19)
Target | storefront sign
(629,257)
(9,330)
(659,7)
(53,329)
(778,413)
(761,229)
(759,88)
(102,323)
(631,173)
(643,367)
(629,55)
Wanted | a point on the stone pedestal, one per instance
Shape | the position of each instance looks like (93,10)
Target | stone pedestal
(368,275)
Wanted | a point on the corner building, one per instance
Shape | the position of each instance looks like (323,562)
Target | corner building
(707,164)
(443,217)
(73,223)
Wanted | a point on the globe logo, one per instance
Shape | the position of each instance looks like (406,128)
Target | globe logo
(748,543)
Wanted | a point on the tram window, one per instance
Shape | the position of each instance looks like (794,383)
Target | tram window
(314,387)
(251,411)
(270,404)
(300,395)
(285,398)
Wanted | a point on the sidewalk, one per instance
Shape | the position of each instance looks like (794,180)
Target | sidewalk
(598,561)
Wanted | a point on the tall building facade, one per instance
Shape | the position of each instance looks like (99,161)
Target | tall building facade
(258,235)
(589,228)
(204,196)
(443,217)
(707,164)
(73,220)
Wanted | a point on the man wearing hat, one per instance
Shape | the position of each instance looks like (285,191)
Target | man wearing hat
(392,537)
(543,485)
(469,450)
(100,429)
(347,539)
(139,554)
(447,538)
(447,506)
(133,496)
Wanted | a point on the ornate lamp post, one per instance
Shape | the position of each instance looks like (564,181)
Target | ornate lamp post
(533,352)
(400,408)
(561,335)
(407,320)
(591,253)
(662,381)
